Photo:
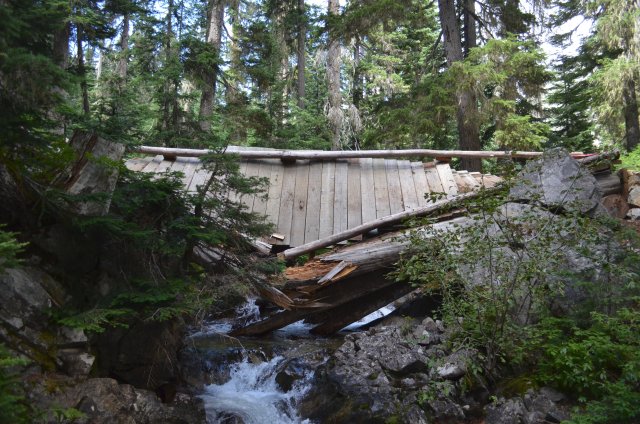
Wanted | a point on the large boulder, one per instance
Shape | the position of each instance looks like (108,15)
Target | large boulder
(105,401)
(557,181)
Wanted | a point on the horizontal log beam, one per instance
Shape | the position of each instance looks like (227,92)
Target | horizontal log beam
(292,155)
(377,223)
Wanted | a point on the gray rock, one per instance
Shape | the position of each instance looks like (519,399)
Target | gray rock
(104,401)
(633,198)
(511,411)
(558,181)
(634,214)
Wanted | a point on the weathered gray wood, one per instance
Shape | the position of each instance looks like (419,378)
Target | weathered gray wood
(433,179)
(300,204)
(381,188)
(138,164)
(446,177)
(354,194)
(340,198)
(326,198)
(407,184)
(348,313)
(314,192)
(420,181)
(395,190)
(367,186)
(274,194)
(368,226)
(260,200)
(252,170)
(153,164)
(286,202)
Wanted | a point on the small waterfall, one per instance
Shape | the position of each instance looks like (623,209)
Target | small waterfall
(253,395)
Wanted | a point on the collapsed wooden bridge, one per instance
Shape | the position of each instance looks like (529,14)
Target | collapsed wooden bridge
(320,199)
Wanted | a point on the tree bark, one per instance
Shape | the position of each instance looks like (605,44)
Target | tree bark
(335,113)
(82,71)
(233,75)
(122,66)
(632,125)
(357,77)
(61,45)
(468,133)
(302,35)
(470,38)
(214,37)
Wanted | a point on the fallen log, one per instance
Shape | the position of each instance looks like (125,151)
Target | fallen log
(292,155)
(439,205)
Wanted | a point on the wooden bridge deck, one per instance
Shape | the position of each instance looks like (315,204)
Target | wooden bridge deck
(309,200)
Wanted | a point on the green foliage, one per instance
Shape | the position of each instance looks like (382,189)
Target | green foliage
(500,277)
(631,160)
(10,248)
(14,407)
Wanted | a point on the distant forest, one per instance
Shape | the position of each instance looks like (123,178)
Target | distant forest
(360,74)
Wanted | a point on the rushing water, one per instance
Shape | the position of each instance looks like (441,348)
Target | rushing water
(251,392)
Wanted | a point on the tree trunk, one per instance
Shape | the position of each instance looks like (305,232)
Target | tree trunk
(302,35)
(61,45)
(215,16)
(233,74)
(468,134)
(82,71)
(335,113)
(470,38)
(121,67)
(357,77)
(632,126)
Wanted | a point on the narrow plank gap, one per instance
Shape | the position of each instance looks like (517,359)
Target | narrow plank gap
(252,170)
(354,195)
(433,179)
(298,219)
(341,201)
(367,186)
(381,188)
(275,193)
(327,198)
(314,193)
(260,200)
(138,164)
(393,181)
(189,171)
(286,202)
(233,196)
(153,164)
(407,184)
(446,177)
(420,182)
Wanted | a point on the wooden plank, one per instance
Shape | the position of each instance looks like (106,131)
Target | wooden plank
(275,193)
(446,177)
(407,185)
(153,164)
(367,186)
(252,169)
(260,200)
(381,188)
(326,199)
(340,197)
(393,182)
(433,179)
(312,230)
(189,171)
(286,202)
(233,196)
(200,177)
(421,182)
(137,164)
(354,195)
(300,204)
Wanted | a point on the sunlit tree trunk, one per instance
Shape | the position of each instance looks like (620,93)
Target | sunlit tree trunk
(215,20)
(82,71)
(301,52)
(469,138)
(122,66)
(335,113)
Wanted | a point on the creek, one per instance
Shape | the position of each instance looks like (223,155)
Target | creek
(263,380)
